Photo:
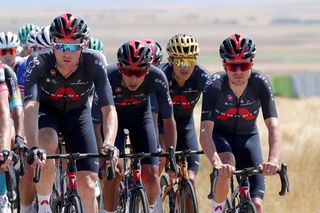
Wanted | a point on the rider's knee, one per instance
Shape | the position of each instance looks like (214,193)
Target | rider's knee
(258,204)
(150,176)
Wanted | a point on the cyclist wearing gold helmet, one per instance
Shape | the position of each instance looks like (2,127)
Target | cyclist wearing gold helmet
(186,82)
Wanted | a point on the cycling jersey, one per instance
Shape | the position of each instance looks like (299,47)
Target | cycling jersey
(134,111)
(8,81)
(237,115)
(186,97)
(44,83)
(21,74)
(184,100)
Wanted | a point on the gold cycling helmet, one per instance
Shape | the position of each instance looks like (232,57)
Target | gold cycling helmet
(183,45)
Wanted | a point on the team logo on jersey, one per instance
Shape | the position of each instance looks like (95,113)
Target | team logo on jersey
(53,72)
(229,97)
(118,89)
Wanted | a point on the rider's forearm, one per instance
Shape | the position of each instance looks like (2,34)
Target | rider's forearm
(31,110)
(5,127)
(17,117)
(209,148)
(110,124)
(98,134)
(169,133)
(275,140)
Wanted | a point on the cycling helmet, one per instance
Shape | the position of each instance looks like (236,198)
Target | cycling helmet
(237,46)
(95,44)
(135,53)
(183,45)
(9,40)
(156,50)
(43,38)
(31,40)
(25,30)
(69,26)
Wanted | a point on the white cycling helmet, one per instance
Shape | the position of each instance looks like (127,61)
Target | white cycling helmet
(31,40)
(9,40)
(43,38)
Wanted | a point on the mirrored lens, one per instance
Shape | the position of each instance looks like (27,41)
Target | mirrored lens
(184,62)
(129,73)
(11,51)
(233,67)
(65,47)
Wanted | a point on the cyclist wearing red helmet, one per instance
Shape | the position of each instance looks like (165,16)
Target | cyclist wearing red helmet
(228,133)
(132,80)
(57,85)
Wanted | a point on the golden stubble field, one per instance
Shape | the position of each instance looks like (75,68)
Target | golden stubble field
(287,48)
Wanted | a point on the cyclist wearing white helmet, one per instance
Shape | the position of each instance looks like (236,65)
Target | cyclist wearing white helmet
(9,42)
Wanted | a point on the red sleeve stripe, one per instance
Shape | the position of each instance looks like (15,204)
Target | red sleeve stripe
(3,87)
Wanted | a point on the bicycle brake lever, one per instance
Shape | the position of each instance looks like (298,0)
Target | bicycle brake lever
(285,187)
(172,160)
(213,183)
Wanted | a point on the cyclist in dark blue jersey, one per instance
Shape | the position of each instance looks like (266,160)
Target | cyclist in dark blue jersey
(133,79)
(228,132)
(57,86)
(186,82)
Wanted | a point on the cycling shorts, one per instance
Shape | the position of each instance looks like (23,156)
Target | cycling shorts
(247,152)
(77,129)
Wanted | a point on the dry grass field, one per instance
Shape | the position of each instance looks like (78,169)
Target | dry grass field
(282,48)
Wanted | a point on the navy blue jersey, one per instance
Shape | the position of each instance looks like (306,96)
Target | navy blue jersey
(135,103)
(44,83)
(186,97)
(233,115)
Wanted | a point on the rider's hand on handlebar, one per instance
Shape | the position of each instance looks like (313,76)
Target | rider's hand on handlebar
(36,156)
(269,168)
(20,145)
(225,170)
(5,159)
(108,148)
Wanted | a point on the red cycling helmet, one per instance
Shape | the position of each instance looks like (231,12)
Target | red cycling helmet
(156,50)
(69,26)
(237,47)
(135,53)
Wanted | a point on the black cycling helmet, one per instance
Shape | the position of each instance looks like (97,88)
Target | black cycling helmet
(69,26)
(237,47)
(135,53)
(156,51)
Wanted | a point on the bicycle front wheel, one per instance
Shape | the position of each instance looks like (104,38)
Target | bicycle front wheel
(188,198)
(168,197)
(74,205)
(138,202)
(248,207)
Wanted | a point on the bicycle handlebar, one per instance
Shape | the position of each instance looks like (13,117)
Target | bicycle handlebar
(246,172)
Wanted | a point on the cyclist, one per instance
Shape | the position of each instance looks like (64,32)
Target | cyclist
(23,33)
(10,99)
(9,42)
(57,86)
(133,79)
(187,80)
(37,40)
(228,132)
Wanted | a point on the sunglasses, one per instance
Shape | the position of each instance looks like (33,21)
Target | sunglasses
(233,67)
(184,62)
(129,72)
(64,47)
(11,51)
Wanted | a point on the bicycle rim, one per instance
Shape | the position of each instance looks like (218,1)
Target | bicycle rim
(138,202)
(188,194)
(248,207)
(74,205)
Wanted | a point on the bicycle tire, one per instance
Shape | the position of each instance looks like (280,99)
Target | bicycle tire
(74,205)
(248,207)
(227,206)
(121,208)
(139,202)
(57,206)
(188,191)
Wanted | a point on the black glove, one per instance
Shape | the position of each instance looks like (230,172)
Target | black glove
(20,145)
(34,151)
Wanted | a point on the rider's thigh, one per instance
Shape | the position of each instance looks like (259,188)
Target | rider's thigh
(227,158)
(48,140)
